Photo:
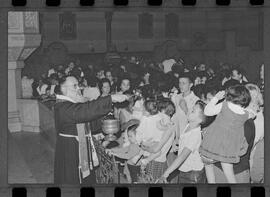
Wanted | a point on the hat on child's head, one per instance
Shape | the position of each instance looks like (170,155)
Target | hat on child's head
(130,123)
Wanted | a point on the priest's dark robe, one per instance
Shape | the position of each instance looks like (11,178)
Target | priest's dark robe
(67,115)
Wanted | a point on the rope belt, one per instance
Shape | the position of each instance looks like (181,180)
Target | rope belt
(83,167)
(74,136)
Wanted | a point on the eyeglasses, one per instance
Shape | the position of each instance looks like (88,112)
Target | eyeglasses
(75,86)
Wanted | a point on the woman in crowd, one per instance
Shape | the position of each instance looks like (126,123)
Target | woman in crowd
(109,76)
(91,92)
(125,85)
(104,87)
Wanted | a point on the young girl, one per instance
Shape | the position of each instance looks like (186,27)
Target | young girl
(188,161)
(125,113)
(156,162)
(148,130)
(104,87)
(124,89)
(224,139)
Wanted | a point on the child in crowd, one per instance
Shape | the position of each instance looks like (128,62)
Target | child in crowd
(69,68)
(53,83)
(224,139)
(210,92)
(148,130)
(91,92)
(188,161)
(124,85)
(200,91)
(126,113)
(138,105)
(156,162)
(110,77)
(42,87)
(131,153)
(124,89)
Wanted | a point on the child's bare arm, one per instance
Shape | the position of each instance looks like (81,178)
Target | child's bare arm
(150,158)
(126,152)
(177,162)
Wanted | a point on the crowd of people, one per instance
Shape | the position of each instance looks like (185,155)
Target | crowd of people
(179,123)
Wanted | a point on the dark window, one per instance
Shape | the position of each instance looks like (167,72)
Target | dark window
(171,25)
(145,26)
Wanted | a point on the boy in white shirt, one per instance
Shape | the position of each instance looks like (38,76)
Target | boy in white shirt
(188,162)
(184,103)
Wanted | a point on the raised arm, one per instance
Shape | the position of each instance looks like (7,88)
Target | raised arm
(177,162)
(126,152)
(212,108)
(88,111)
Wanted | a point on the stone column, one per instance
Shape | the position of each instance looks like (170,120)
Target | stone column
(23,39)
(108,18)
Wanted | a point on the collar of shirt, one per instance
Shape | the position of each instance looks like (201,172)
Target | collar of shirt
(62,97)
(236,108)
(252,111)
(191,95)
(194,129)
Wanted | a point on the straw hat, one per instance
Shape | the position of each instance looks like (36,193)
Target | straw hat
(129,124)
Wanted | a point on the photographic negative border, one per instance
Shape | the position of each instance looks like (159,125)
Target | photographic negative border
(134,190)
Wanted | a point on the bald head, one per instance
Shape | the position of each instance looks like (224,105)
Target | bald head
(70,87)
(70,80)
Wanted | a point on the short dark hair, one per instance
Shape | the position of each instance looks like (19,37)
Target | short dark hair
(62,80)
(199,90)
(54,76)
(132,128)
(204,118)
(125,77)
(122,78)
(167,105)
(238,69)
(151,106)
(238,95)
(102,81)
(188,75)
(92,80)
(212,89)
(57,90)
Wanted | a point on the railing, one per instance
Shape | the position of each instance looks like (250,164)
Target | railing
(107,171)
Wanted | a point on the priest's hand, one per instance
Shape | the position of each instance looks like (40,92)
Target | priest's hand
(119,98)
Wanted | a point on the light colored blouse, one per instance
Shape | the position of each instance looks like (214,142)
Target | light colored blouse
(192,141)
